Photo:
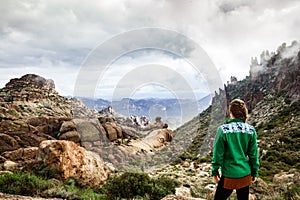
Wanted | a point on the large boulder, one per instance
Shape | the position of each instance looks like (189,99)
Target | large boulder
(71,136)
(111,132)
(67,126)
(70,160)
(88,129)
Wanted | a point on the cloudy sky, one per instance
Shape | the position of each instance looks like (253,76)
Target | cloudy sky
(92,44)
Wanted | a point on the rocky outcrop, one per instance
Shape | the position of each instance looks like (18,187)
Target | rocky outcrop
(32,111)
(112,129)
(155,141)
(70,160)
(29,88)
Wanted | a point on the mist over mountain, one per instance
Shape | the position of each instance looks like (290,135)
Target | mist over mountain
(175,112)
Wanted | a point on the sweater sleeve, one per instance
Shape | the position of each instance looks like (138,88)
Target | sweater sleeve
(218,153)
(253,155)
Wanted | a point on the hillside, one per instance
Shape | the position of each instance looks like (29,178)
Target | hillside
(272,93)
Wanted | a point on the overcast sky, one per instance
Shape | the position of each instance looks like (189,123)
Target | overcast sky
(56,39)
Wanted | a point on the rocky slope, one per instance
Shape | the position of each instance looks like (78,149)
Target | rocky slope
(272,93)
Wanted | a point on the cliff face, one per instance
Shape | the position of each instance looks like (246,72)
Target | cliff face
(274,74)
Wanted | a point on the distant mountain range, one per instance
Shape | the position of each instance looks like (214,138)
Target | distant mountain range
(173,111)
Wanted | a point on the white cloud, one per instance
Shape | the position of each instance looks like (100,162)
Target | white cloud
(131,65)
(54,37)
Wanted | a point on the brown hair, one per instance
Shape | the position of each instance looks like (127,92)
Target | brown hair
(238,109)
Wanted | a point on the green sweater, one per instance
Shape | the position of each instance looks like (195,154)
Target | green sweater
(235,150)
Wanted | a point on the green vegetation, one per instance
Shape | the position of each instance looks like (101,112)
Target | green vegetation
(138,185)
(126,186)
(283,134)
(23,183)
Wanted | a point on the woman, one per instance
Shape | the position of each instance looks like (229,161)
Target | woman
(236,153)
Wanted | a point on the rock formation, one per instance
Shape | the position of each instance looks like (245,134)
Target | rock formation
(155,141)
(70,160)
(33,113)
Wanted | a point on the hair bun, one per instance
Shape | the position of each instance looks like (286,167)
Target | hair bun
(238,108)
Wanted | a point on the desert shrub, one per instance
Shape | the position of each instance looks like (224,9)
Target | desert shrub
(23,183)
(128,185)
(161,187)
(205,159)
(186,156)
(134,185)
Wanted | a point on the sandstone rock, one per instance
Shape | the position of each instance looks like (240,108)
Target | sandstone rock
(7,143)
(37,121)
(89,130)
(183,191)
(47,125)
(22,154)
(71,136)
(10,165)
(67,126)
(118,129)
(112,133)
(16,126)
(71,160)
(155,141)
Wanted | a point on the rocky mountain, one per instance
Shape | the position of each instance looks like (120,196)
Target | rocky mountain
(38,126)
(171,110)
(272,93)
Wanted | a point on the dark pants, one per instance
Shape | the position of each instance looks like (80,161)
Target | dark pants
(223,194)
